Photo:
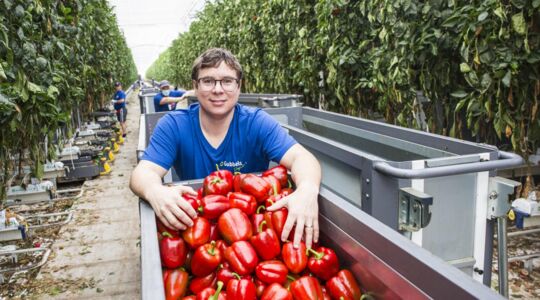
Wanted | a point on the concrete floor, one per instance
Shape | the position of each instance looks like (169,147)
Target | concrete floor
(98,254)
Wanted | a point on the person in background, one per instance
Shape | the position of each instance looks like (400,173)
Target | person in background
(217,131)
(166,99)
(119,102)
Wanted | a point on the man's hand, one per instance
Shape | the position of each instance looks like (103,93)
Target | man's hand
(171,208)
(304,211)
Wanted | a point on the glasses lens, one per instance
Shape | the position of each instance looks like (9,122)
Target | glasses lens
(227,84)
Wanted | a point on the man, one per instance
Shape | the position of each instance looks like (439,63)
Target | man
(119,102)
(218,130)
(166,99)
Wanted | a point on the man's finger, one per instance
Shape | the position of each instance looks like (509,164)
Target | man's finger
(181,216)
(173,221)
(287,227)
(298,232)
(187,208)
(316,230)
(309,233)
(279,204)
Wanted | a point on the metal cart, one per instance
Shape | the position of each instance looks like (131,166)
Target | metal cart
(264,100)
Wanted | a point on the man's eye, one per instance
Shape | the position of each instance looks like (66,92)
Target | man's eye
(228,81)
(208,81)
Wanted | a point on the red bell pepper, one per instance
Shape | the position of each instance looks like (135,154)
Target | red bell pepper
(225,273)
(343,286)
(255,186)
(326,295)
(200,193)
(192,297)
(214,232)
(173,251)
(176,284)
(161,228)
(323,262)
(257,218)
(272,271)
(166,273)
(276,220)
(241,257)
(218,183)
(259,287)
(286,191)
(237,181)
(244,202)
(211,294)
(280,172)
(213,206)
(241,289)
(198,284)
(294,259)
(187,264)
(274,184)
(193,201)
(266,243)
(222,246)
(307,287)
(272,199)
(276,292)
(206,259)
(234,226)
(198,234)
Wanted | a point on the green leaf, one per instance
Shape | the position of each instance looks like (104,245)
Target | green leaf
(518,23)
(506,79)
(52,91)
(2,73)
(460,105)
(483,16)
(486,81)
(464,68)
(34,88)
(459,94)
(536,3)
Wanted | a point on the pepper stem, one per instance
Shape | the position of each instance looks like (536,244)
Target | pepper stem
(318,255)
(291,278)
(236,275)
(260,229)
(215,296)
(217,167)
(290,183)
(167,234)
(259,209)
(274,187)
(212,250)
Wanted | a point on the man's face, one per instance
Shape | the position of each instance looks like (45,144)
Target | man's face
(118,87)
(217,102)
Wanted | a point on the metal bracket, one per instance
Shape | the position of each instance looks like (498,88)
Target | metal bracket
(414,213)
(499,190)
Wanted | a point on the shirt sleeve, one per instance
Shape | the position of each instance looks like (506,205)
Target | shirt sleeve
(162,148)
(122,95)
(274,139)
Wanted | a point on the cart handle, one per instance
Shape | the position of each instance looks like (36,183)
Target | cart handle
(506,159)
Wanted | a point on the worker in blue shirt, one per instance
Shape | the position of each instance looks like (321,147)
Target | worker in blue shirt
(119,102)
(219,131)
(166,99)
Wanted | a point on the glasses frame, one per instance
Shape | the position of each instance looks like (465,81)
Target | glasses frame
(220,83)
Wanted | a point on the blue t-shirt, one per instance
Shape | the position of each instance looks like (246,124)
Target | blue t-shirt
(118,96)
(165,107)
(253,140)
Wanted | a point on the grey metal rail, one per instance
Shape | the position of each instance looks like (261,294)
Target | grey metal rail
(506,160)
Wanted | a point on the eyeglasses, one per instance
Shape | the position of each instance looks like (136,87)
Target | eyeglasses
(207,84)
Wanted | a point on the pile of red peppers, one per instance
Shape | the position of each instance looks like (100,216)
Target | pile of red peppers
(233,250)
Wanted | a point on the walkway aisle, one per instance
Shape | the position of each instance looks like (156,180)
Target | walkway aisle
(97,255)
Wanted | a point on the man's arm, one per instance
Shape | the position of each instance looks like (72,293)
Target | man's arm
(302,204)
(169,206)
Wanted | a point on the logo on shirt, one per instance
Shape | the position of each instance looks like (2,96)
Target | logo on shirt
(235,165)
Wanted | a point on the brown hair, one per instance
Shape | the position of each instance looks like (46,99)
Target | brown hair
(211,58)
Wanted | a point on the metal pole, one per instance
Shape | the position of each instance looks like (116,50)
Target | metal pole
(503,256)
